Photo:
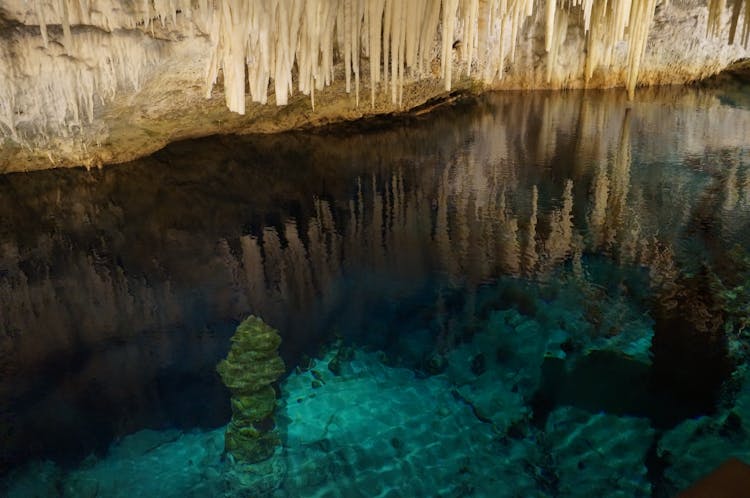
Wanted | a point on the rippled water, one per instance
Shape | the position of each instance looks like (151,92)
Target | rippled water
(534,267)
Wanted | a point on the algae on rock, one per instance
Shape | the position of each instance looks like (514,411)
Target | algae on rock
(252,365)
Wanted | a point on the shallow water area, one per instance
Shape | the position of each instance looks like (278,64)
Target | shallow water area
(527,294)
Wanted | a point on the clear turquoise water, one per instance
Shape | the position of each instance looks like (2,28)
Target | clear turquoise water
(536,294)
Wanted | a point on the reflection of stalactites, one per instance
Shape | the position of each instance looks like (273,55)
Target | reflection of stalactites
(97,284)
(231,265)
(274,267)
(589,126)
(558,243)
(736,195)
(745,184)
(482,260)
(298,265)
(578,246)
(530,256)
(331,235)
(317,251)
(402,226)
(620,184)
(442,233)
(353,223)
(400,194)
(509,255)
(254,283)
(416,211)
(631,239)
(392,213)
(379,221)
(104,295)
(360,208)
(354,242)
(548,130)
(462,223)
(324,246)
(731,189)
(598,212)
(508,246)
(484,247)
(387,213)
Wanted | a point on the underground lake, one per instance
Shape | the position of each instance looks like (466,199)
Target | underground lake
(523,294)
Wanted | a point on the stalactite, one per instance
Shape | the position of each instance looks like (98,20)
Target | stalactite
(715,14)
(549,34)
(63,84)
(257,44)
(716,8)
(558,35)
(446,59)
(41,19)
(66,24)
(641,15)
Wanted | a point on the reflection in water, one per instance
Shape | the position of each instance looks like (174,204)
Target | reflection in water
(124,284)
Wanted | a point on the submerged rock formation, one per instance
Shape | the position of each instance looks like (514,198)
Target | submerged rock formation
(252,365)
(100,81)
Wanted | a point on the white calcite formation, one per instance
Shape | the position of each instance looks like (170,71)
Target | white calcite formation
(69,69)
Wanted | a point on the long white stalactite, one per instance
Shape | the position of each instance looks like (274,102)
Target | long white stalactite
(259,47)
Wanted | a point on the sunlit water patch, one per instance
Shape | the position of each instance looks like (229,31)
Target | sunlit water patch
(526,295)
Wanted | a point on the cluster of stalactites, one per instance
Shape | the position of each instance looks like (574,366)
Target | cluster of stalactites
(108,15)
(740,10)
(55,90)
(261,43)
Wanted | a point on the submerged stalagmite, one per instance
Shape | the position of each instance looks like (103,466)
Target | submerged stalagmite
(252,365)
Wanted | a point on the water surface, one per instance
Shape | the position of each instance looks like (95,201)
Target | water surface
(585,253)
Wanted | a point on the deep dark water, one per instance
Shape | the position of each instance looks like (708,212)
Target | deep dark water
(613,233)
